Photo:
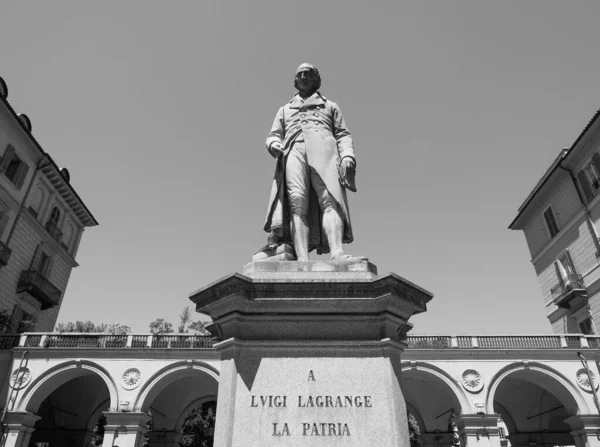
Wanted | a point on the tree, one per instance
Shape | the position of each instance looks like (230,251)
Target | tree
(99,429)
(199,426)
(198,327)
(160,326)
(185,317)
(414,432)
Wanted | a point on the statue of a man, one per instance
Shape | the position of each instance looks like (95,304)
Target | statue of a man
(315,163)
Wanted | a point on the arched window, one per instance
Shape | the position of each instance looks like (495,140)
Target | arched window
(54,217)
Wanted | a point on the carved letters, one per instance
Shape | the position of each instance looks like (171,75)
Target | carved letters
(311,428)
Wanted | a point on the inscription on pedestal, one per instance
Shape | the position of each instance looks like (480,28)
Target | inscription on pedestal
(311,428)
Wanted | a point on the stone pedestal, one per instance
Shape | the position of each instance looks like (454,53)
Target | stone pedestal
(310,354)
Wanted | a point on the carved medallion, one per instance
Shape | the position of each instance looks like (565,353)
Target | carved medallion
(131,378)
(20,378)
(584,382)
(472,381)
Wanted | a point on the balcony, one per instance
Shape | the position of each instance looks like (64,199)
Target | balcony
(5,253)
(40,288)
(54,231)
(567,289)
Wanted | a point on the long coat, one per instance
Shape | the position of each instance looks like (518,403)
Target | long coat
(327,140)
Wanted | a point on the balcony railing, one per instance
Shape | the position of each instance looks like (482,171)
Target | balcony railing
(54,231)
(188,341)
(5,253)
(567,288)
(40,288)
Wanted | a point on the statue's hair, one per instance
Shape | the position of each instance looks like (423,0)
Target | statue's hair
(318,80)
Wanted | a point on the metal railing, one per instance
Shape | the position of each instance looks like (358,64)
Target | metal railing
(37,285)
(566,285)
(5,253)
(192,341)
(54,231)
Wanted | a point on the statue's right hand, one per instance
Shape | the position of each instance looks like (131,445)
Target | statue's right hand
(275,150)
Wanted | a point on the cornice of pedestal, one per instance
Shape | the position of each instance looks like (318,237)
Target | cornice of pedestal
(311,301)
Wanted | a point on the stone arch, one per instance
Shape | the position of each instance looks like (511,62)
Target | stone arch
(54,377)
(190,407)
(440,374)
(544,377)
(167,375)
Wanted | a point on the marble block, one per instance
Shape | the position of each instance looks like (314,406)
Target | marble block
(310,353)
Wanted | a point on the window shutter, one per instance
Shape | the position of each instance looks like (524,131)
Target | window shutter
(35,262)
(3,222)
(7,158)
(587,190)
(46,274)
(596,161)
(15,318)
(20,178)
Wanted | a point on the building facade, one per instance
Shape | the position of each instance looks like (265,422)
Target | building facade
(42,220)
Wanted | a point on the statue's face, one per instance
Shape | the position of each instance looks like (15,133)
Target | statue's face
(307,80)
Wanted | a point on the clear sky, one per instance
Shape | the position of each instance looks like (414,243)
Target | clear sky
(160,110)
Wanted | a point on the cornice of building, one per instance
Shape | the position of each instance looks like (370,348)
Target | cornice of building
(59,182)
(562,157)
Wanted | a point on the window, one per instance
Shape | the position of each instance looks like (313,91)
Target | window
(54,217)
(589,177)
(42,263)
(21,321)
(565,265)
(587,326)
(13,167)
(551,222)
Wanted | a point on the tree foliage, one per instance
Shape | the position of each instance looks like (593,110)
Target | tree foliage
(414,432)
(185,326)
(199,426)
(4,320)
(161,326)
(99,429)
(91,327)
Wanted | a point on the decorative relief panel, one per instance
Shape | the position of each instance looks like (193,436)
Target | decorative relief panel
(584,381)
(131,378)
(20,378)
(472,381)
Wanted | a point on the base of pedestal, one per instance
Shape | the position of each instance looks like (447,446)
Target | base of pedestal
(310,394)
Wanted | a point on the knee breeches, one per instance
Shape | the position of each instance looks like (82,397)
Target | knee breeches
(299,178)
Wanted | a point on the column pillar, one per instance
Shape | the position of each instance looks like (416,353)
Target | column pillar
(585,429)
(124,429)
(479,430)
(19,427)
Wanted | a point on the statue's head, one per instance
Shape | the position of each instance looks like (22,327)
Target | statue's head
(307,78)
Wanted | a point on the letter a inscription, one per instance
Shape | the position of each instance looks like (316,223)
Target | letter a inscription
(311,376)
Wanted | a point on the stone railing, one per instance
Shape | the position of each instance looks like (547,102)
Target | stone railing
(187,341)
(105,341)
(554,341)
